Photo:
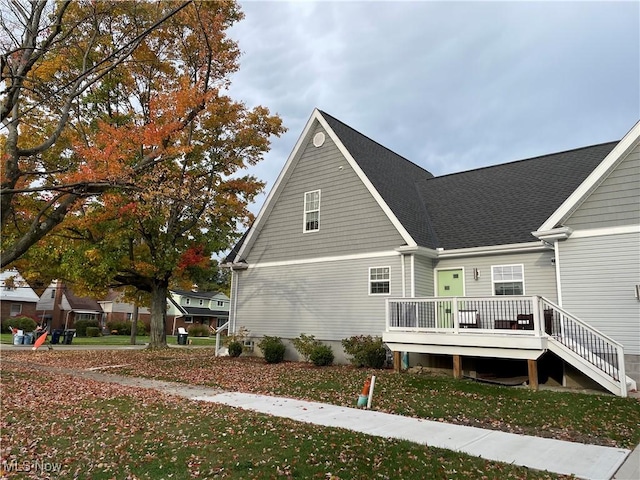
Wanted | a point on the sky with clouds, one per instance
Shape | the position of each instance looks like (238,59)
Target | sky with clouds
(451,86)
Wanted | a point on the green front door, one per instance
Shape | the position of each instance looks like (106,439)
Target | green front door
(450,284)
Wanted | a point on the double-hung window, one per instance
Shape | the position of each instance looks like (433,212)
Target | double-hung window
(508,279)
(312,211)
(379,280)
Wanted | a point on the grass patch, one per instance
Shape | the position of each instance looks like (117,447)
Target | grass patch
(7,338)
(105,431)
(599,419)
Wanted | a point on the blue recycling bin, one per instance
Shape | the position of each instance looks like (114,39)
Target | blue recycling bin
(55,336)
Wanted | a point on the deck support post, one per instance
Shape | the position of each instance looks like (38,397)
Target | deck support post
(397,363)
(457,366)
(533,374)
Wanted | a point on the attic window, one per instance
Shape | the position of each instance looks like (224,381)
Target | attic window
(312,211)
(318,139)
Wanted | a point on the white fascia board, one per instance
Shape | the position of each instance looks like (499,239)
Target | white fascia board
(619,152)
(561,233)
(356,168)
(417,250)
(492,250)
(274,193)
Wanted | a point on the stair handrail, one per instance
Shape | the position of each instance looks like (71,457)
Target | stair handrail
(619,369)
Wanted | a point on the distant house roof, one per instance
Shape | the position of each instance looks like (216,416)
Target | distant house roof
(203,312)
(495,205)
(194,294)
(14,288)
(83,304)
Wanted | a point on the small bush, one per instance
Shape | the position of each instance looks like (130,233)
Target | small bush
(366,351)
(82,325)
(272,348)
(198,330)
(92,331)
(235,349)
(305,345)
(21,323)
(321,355)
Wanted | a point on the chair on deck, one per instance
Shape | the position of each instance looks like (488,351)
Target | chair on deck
(525,321)
(468,318)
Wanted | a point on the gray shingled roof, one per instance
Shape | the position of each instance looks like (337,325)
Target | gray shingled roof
(504,203)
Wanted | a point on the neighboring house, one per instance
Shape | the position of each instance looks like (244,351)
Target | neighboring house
(116,310)
(186,308)
(17,298)
(541,256)
(59,308)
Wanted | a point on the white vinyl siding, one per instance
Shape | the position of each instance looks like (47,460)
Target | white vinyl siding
(424,277)
(379,279)
(507,279)
(312,211)
(599,275)
(352,222)
(326,299)
(616,201)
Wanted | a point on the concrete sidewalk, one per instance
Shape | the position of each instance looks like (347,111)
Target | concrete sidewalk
(568,458)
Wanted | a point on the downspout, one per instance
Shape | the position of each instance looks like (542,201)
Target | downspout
(413,276)
(404,287)
(234,280)
(556,252)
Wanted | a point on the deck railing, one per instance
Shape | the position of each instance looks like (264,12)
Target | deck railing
(509,315)
(519,315)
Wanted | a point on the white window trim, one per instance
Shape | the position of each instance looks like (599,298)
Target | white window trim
(201,302)
(493,280)
(370,282)
(187,301)
(188,319)
(306,211)
(12,313)
(221,303)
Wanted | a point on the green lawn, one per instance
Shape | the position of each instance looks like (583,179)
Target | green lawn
(601,419)
(7,338)
(102,431)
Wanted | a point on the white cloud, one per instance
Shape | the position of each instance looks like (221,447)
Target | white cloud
(451,86)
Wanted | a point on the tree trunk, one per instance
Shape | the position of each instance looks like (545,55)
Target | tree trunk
(157,335)
(134,323)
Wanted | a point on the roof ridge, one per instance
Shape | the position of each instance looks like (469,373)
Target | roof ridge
(537,157)
(374,141)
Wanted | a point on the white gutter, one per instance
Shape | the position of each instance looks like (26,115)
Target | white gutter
(491,250)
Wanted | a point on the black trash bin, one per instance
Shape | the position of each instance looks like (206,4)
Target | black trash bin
(68,336)
(55,336)
(182,338)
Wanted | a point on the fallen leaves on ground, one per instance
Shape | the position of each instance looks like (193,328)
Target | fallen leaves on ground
(598,419)
(90,429)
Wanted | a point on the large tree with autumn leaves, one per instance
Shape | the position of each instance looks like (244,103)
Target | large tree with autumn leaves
(121,148)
